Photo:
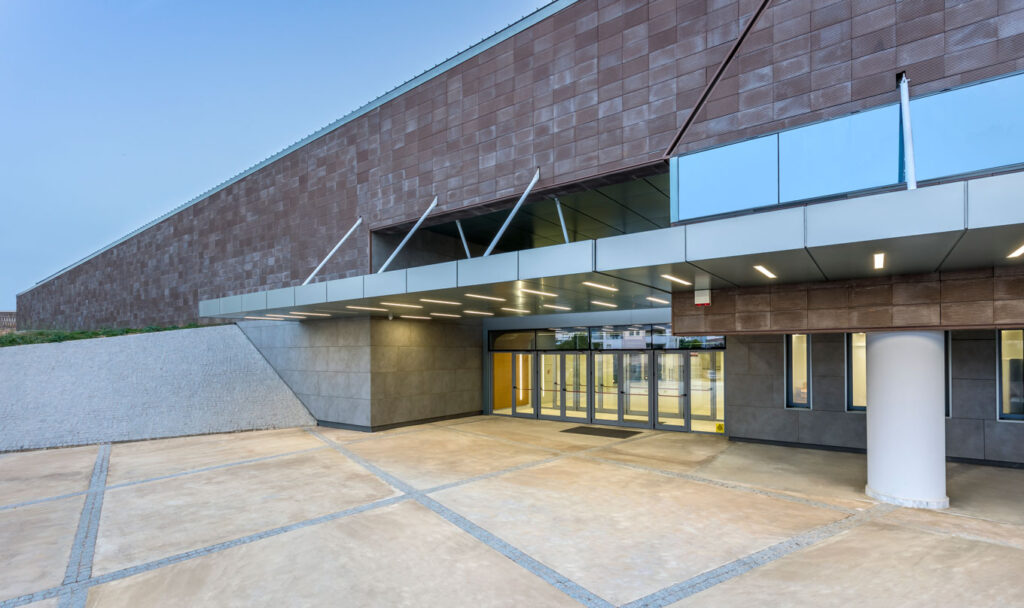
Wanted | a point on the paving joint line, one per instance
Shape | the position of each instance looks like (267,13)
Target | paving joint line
(161,477)
(732,486)
(215,467)
(701,582)
(84,545)
(74,588)
(518,556)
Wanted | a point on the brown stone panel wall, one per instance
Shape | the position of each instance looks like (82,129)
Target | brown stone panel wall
(987,298)
(598,88)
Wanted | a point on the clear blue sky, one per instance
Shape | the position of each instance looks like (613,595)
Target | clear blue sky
(114,112)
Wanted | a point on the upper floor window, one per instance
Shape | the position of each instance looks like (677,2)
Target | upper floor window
(798,371)
(1011,374)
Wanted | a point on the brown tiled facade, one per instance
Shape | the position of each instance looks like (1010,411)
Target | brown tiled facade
(949,300)
(596,89)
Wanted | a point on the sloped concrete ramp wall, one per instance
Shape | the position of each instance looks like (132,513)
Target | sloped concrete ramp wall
(182,382)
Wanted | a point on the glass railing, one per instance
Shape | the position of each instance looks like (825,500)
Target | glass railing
(965,130)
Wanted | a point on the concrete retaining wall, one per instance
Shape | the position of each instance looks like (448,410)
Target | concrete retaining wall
(375,373)
(183,382)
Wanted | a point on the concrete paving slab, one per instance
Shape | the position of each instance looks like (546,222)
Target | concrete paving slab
(947,522)
(993,493)
(677,452)
(35,543)
(26,476)
(540,433)
(140,523)
(140,460)
(837,478)
(401,555)
(624,533)
(878,565)
(438,455)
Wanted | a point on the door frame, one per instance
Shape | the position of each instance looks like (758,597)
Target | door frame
(619,357)
(562,391)
(685,377)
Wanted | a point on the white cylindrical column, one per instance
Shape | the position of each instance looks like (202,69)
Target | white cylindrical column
(906,418)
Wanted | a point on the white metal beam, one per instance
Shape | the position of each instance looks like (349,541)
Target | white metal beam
(462,235)
(512,214)
(408,236)
(908,137)
(343,239)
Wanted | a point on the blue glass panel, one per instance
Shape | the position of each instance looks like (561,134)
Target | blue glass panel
(840,155)
(969,129)
(730,178)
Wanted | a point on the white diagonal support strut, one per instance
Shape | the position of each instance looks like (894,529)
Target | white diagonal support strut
(408,236)
(512,214)
(561,219)
(462,235)
(908,137)
(347,234)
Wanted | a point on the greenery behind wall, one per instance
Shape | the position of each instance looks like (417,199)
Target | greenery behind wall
(44,336)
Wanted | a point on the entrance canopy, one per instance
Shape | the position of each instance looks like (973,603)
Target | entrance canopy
(975,223)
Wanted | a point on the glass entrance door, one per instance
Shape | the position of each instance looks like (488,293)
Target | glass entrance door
(672,389)
(512,384)
(622,388)
(563,386)
(707,391)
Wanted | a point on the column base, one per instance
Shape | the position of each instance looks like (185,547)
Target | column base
(942,503)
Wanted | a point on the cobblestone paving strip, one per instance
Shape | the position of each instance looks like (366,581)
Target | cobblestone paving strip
(701,582)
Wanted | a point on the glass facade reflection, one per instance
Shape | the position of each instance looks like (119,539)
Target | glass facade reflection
(974,128)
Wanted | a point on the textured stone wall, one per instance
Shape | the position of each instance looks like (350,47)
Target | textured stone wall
(985,298)
(373,373)
(596,89)
(755,397)
(166,384)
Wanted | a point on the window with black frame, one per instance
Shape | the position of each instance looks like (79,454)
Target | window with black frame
(1011,374)
(798,371)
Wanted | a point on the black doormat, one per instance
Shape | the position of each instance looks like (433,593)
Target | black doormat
(600,432)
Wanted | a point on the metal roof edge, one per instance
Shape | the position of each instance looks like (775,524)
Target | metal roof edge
(491,41)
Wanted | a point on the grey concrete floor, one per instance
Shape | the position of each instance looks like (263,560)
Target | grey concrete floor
(490,511)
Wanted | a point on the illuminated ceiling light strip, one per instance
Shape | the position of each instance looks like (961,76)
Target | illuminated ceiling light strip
(478,312)
(444,314)
(600,286)
(1017,252)
(605,304)
(538,293)
(400,305)
(676,279)
(415,317)
(658,300)
(515,310)
(765,271)
(879,261)
(556,307)
(309,314)
(276,316)
(371,308)
(448,302)
(264,319)
(480,297)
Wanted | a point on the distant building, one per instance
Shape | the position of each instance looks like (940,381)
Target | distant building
(8,322)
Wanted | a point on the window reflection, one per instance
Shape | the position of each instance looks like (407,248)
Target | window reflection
(1011,374)
(798,372)
(857,371)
